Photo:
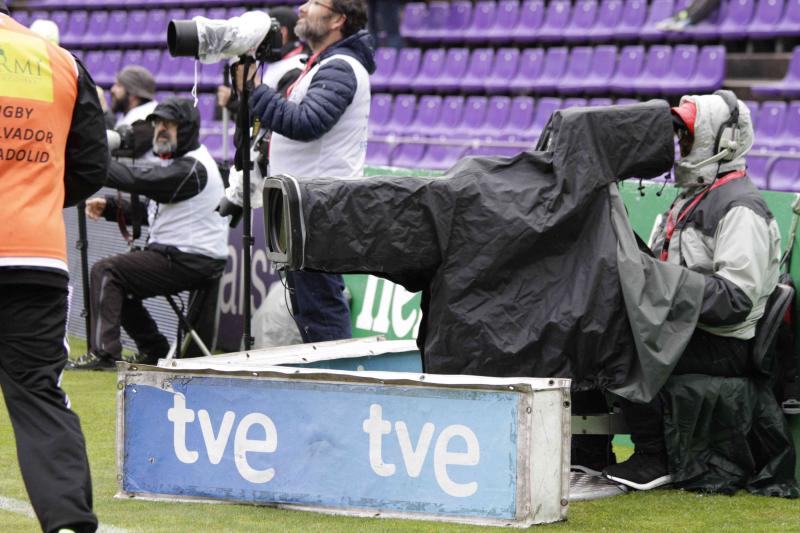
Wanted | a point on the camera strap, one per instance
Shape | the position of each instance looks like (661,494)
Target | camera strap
(122,223)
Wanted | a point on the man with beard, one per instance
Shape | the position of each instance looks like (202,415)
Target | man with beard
(186,246)
(133,95)
(320,129)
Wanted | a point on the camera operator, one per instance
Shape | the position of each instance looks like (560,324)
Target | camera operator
(186,247)
(279,75)
(53,154)
(320,129)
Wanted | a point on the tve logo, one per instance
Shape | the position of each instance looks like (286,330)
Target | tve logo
(358,445)
(392,309)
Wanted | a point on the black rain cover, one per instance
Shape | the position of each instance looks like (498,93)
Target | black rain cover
(521,266)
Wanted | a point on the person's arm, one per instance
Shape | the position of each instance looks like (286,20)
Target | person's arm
(741,260)
(331,90)
(179,181)
(86,155)
(108,206)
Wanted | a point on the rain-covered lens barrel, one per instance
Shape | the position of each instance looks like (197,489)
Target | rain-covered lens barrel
(182,39)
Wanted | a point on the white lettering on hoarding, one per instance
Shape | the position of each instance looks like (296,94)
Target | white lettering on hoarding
(414,459)
(391,308)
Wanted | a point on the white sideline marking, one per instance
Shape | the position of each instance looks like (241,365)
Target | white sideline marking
(24,508)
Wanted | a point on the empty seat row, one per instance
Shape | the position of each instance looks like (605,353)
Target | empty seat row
(424,126)
(590,20)
(132,4)
(168,71)
(118,28)
(661,69)
(775,172)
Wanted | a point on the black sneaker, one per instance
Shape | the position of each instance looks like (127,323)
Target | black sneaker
(643,471)
(91,361)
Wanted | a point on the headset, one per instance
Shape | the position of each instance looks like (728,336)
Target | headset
(726,143)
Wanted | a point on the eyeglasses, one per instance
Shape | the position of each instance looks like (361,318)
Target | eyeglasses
(320,4)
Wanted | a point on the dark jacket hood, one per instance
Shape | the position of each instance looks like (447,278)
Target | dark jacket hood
(359,46)
(182,111)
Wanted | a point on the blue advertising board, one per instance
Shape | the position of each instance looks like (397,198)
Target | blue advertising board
(407,449)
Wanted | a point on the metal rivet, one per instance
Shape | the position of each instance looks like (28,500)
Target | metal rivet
(120,385)
(566,404)
(564,502)
(528,410)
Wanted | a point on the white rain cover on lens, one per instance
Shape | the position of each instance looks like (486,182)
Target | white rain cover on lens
(236,36)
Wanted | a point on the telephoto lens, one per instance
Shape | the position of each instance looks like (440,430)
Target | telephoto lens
(182,38)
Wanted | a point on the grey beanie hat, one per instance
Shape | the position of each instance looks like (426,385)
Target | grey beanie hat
(137,81)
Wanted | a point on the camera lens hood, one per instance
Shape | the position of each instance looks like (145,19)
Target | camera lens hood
(182,38)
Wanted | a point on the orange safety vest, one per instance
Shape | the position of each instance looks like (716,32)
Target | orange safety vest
(38,89)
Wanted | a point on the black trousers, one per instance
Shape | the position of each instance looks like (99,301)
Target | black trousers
(50,445)
(320,307)
(119,284)
(707,354)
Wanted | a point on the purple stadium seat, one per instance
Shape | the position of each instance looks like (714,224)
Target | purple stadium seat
(413,20)
(681,70)
(455,66)
(206,105)
(131,57)
(556,21)
(784,174)
(484,16)
(431,69)
(710,71)
(506,19)
(740,13)
(450,117)
(385,63)
(211,75)
(378,153)
(474,118)
(789,25)
(771,123)
(213,141)
(758,169)
(76,28)
(151,60)
(95,29)
(786,86)
(434,22)
(156,27)
(403,110)
(136,27)
(531,17)
(408,154)
(61,19)
(766,17)
(429,109)
(23,17)
(176,71)
(573,102)
(103,66)
(629,67)
(609,16)
(626,101)
(116,29)
(457,22)
(753,106)
(584,16)
(634,15)
(408,61)
(656,68)
(521,118)
(380,113)
(506,63)
(497,117)
(480,66)
(544,108)
(604,63)
(531,65)
(555,63)
(579,65)
(600,102)
(659,10)
(790,138)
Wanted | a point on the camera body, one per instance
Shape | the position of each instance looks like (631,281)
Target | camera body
(213,40)
(130,141)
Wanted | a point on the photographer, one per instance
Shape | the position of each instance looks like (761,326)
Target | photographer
(61,163)
(320,129)
(133,95)
(186,247)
